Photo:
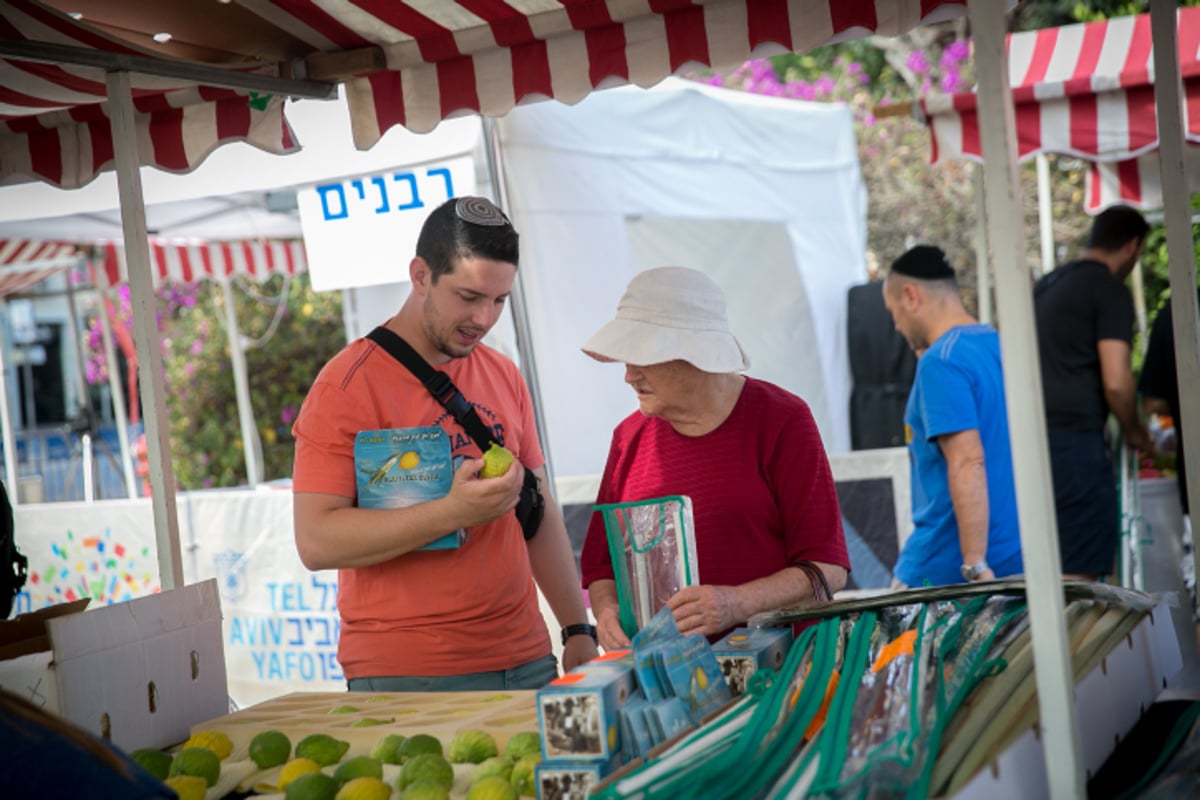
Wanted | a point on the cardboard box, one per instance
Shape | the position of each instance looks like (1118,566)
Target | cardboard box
(577,713)
(744,651)
(138,673)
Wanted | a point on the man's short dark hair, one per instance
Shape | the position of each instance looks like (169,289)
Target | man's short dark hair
(452,232)
(1115,227)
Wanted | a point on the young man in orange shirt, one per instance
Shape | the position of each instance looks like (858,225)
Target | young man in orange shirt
(438,620)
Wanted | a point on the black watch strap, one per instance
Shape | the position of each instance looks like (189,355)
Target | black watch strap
(579,629)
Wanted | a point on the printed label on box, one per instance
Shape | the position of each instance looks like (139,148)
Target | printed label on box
(401,467)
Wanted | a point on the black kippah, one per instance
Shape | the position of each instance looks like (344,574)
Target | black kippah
(924,262)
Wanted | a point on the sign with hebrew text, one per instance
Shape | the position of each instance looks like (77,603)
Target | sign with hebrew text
(362,231)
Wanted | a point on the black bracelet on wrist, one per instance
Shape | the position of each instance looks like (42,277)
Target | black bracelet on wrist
(580,629)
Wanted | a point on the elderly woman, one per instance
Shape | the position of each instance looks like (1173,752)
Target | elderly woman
(767,525)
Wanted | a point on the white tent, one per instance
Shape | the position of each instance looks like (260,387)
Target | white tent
(599,192)
(763,194)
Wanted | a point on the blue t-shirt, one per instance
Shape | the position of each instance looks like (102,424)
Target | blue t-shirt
(959,386)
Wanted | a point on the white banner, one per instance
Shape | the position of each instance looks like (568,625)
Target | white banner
(363,231)
(281,622)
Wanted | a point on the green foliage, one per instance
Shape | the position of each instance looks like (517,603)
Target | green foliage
(297,338)
(1155,265)
(289,332)
(1034,14)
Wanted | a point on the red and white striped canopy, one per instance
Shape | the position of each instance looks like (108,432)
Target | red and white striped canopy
(1085,90)
(439,58)
(449,58)
(192,260)
(53,119)
(24,262)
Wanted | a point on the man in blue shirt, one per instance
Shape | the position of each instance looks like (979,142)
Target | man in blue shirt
(956,425)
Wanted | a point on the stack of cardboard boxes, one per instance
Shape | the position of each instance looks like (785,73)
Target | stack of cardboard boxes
(619,707)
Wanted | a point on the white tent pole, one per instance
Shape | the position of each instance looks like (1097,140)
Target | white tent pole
(77,343)
(983,254)
(145,330)
(1026,415)
(1181,255)
(1138,281)
(10,438)
(1045,212)
(241,385)
(118,395)
(491,144)
(85,440)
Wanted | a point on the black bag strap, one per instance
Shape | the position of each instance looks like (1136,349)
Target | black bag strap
(437,382)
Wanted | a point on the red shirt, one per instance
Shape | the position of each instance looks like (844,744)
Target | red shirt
(762,492)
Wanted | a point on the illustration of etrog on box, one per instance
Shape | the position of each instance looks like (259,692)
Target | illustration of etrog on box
(400,467)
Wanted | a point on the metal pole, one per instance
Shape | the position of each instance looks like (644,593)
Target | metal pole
(1026,414)
(6,418)
(118,396)
(1138,280)
(85,440)
(1045,212)
(241,385)
(495,162)
(76,339)
(145,330)
(983,254)
(1181,255)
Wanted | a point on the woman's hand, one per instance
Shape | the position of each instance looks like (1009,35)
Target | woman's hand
(608,628)
(705,609)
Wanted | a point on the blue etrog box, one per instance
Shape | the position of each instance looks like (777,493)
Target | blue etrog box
(557,780)
(745,651)
(401,467)
(577,712)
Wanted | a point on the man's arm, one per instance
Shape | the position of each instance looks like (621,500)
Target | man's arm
(1120,393)
(333,533)
(553,564)
(711,609)
(966,473)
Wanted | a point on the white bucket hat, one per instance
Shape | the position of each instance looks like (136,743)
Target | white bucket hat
(666,314)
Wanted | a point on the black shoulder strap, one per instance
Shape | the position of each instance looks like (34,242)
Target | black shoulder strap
(437,382)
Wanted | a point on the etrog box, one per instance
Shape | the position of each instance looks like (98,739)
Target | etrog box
(577,713)
(138,673)
(560,780)
(744,651)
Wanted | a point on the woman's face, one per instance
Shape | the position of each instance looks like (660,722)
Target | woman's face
(666,390)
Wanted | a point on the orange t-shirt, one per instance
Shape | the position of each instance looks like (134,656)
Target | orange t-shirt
(437,612)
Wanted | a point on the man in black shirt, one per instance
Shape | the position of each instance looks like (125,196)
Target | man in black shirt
(1159,386)
(1085,326)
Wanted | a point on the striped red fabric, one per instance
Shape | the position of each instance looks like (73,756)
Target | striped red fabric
(1135,182)
(444,58)
(500,54)
(24,262)
(1084,90)
(53,121)
(193,260)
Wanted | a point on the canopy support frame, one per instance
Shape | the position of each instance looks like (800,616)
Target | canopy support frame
(151,383)
(1026,411)
(1181,255)
(49,53)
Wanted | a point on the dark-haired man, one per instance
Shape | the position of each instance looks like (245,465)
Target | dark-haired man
(956,425)
(447,619)
(1085,326)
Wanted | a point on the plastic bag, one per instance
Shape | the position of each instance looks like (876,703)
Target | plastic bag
(653,549)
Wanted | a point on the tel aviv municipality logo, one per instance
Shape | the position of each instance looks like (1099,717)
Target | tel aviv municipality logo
(231,574)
